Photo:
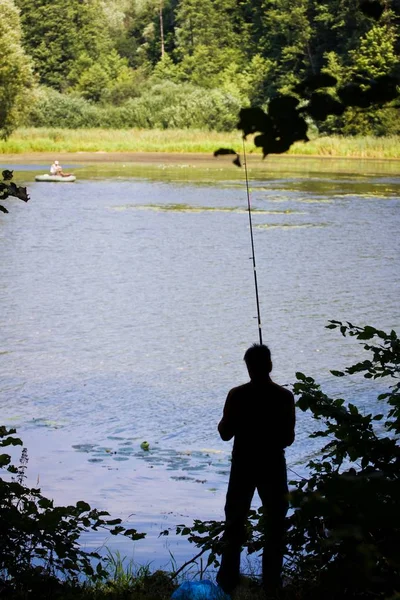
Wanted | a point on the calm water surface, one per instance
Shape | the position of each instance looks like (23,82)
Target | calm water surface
(127,302)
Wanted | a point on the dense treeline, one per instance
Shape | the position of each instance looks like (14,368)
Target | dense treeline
(192,63)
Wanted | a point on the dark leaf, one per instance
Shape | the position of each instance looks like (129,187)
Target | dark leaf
(224,151)
(274,145)
(281,105)
(315,82)
(4,460)
(7,174)
(252,120)
(367,333)
(237,161)
(352,94)
(372,8)
(118,529)
(82,506)
(3,209)
(321,105)
(18,192)
(383,89)
(113,521)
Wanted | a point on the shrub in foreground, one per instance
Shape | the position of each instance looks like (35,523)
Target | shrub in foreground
(39,543)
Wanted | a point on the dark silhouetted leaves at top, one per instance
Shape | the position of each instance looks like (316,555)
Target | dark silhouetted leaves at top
(278,129)
(315,82)
(372,8)
(321,105)
(293,127)
(352,94)
(237,161)
(227,151)
(224,151)
(383,89)
(281,105)
(285,122)
(252,120)
(271,145)
(377,91)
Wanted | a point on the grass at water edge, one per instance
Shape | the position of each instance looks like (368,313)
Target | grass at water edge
(28,141)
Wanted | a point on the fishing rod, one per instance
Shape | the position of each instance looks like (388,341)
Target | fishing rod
(253,256)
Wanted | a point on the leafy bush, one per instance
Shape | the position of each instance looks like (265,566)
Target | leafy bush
(164,105)
(344,531)
(171,105)
(52,109)
(39,541)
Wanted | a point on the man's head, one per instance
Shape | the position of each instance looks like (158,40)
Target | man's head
(258,361)
(56,162)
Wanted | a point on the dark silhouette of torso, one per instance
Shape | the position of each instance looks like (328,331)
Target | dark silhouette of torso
(260,416)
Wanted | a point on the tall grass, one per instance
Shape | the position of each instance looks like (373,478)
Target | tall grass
(35,140)
(350,147)
(25,141)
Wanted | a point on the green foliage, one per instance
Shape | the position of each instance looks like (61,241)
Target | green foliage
(344,524)
(56,34)
(16,77)
(343,531)
(171,105)
(113,51)
(376,54)
(164,105)
(206,23)
(40,542)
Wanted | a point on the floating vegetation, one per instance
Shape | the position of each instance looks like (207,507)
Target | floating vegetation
(84,447)
(289,225)
(199,209)
(190,462)
(39,422)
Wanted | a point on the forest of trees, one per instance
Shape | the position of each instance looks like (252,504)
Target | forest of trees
(186,63)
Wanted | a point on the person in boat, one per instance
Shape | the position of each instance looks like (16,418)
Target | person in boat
(56,169)
(260,416)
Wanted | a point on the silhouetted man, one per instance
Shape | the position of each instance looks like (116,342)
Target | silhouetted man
(260,415)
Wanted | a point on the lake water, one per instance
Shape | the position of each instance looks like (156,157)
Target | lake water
(127,302)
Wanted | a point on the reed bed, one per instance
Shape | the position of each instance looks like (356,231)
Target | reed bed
(25,141)
(31,140)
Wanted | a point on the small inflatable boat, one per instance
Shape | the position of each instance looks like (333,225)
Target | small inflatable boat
(46,177)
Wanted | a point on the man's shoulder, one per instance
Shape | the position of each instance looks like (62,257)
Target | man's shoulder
(282,391)
(240,389)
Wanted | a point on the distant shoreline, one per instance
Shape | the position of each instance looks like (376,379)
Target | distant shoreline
(177,146)
(169,157)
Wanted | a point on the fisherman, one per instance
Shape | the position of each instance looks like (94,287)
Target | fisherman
(56,169)
(260,415)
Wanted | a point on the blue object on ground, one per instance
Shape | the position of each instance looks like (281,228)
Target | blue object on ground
(199,590)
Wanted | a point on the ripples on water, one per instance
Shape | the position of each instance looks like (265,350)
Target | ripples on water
(127,305)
